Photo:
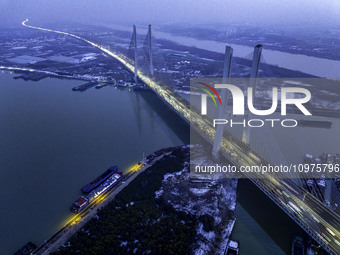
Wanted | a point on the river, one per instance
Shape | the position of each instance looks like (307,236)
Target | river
(308,64)
(261,227)
(53,141)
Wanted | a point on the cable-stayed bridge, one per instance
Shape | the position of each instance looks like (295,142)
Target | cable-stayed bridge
(317,219)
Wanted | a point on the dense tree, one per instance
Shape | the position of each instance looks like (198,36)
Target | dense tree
(146,225)
(208,222)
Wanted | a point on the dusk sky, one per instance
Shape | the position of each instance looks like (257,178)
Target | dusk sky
(258,12)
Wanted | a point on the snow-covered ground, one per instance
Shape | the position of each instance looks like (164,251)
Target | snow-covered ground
(214,197)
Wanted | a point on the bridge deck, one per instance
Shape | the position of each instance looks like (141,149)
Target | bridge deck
(313,216)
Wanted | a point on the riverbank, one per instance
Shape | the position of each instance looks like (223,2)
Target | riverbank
(133,219)
(316,66)
(79,221)
(163,211)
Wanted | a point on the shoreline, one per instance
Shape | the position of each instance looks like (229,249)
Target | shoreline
(79,220)
(216,239)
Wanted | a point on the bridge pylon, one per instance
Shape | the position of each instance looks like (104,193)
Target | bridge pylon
(150,50)
(224,98)
(134,39)
(252,83)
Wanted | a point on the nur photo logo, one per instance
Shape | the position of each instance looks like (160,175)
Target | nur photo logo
(278,102)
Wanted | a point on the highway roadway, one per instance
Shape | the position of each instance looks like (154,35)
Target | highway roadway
(311,214)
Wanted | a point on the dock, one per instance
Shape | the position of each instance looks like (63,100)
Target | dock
(85,86)
(80,219)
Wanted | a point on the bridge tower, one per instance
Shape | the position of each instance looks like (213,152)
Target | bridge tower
(150,51)
(224,98)
(252,83)
(134,39)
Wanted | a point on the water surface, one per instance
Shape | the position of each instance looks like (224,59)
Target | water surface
(53,141)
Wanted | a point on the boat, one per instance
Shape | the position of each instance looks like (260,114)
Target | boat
(107,185)
(26,249)
(80,204)
(315,123)
(232,248)
(102,85)
(99,180)
(85,86)
(84,201)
